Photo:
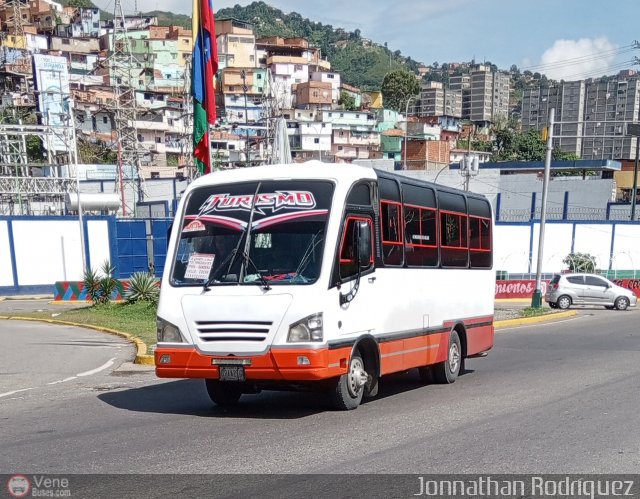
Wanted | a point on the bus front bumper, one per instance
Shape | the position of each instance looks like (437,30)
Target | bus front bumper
(277,364)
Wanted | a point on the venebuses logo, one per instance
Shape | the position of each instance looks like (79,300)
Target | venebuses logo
(18,486)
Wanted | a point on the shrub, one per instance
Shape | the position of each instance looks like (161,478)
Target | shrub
(91,282)
(143,287)
(100,285)
(107,282)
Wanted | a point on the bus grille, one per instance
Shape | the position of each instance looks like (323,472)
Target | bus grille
(233,331)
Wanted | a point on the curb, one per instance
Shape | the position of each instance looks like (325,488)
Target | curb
(513,300)
(533,320)
(141,348)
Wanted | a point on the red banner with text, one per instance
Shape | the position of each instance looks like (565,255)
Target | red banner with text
(525,288)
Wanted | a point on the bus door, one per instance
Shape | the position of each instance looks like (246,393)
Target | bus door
(354,271)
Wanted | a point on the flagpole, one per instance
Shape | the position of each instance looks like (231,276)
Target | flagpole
(203,55)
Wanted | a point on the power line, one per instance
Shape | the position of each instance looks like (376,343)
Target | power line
(584,58)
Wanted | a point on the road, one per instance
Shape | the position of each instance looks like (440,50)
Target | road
(550,398)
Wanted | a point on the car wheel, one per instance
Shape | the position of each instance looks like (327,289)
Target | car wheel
(447,372)
(223,394)
(564,302)
(349,389)
(622,303)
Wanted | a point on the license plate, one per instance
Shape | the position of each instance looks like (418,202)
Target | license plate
(231,373)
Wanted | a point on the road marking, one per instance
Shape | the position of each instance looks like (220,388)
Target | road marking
(62,380)
(107,364)
(6,394)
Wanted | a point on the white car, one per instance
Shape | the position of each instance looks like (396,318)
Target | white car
(565,290)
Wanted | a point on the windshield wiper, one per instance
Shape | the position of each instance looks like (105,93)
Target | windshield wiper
(232,256)
(261,278)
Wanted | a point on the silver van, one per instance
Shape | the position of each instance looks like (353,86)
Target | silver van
(565,290)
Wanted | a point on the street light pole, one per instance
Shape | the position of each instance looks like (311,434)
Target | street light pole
(406,131)
(536,300)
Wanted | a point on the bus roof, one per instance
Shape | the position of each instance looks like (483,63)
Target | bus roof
(344,172)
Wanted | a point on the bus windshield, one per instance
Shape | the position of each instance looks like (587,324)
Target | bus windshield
(286,237)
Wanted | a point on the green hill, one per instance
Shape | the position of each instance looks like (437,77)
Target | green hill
(361,62)
(170,19)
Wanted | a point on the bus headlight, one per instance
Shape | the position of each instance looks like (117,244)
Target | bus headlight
(167,332)
(308,329)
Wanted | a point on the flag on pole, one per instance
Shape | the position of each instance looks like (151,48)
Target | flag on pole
(204,67)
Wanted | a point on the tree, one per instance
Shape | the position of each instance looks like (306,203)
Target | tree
(560,155)
(511,145)
(348,101)
(13,116)
(397,87)
(580,262)
(84,4)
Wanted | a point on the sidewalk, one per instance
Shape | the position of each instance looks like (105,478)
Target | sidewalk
(511,308)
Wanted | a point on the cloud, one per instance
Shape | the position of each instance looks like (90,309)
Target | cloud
(578,59)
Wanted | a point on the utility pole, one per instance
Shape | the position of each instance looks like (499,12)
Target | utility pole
(467,175)
(536,300)
(406,131)
(634,129)
(243,75)
(121,65)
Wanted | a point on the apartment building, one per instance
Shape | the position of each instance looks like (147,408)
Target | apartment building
(334,79)
(462,83)
(313,94)
(437,100)
(489,96)
(591,115)
(83,23)
(236,43)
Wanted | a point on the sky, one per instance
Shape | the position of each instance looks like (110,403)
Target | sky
(564,39)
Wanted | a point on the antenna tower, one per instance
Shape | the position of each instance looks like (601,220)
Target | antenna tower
(121,70)
(18,28)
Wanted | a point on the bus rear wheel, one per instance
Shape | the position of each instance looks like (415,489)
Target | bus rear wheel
(347,393)
(447,372)
(223,394)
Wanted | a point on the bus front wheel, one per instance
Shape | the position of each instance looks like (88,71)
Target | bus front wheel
(447,372)
(223,394)
(347,393)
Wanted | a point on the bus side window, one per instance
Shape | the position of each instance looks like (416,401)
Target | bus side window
(391,232)
(348,249)
(480,247)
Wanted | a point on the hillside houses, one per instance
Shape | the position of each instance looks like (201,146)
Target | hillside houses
(259,79)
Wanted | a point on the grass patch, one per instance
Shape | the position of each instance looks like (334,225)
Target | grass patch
(534,312)
(137,319)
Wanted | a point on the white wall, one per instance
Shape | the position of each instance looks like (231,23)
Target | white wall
(597,239)
(49,250)
(627,246)
(557,245)
(6,276)
(98,237)
(511,248)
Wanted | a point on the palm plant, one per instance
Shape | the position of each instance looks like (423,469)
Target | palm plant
(143,286)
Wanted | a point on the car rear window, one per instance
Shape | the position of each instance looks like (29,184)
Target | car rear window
(556,279)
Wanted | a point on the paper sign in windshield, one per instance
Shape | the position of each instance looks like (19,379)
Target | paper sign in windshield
(199,266)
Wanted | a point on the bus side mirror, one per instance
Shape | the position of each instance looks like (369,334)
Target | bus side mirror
(363,243)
